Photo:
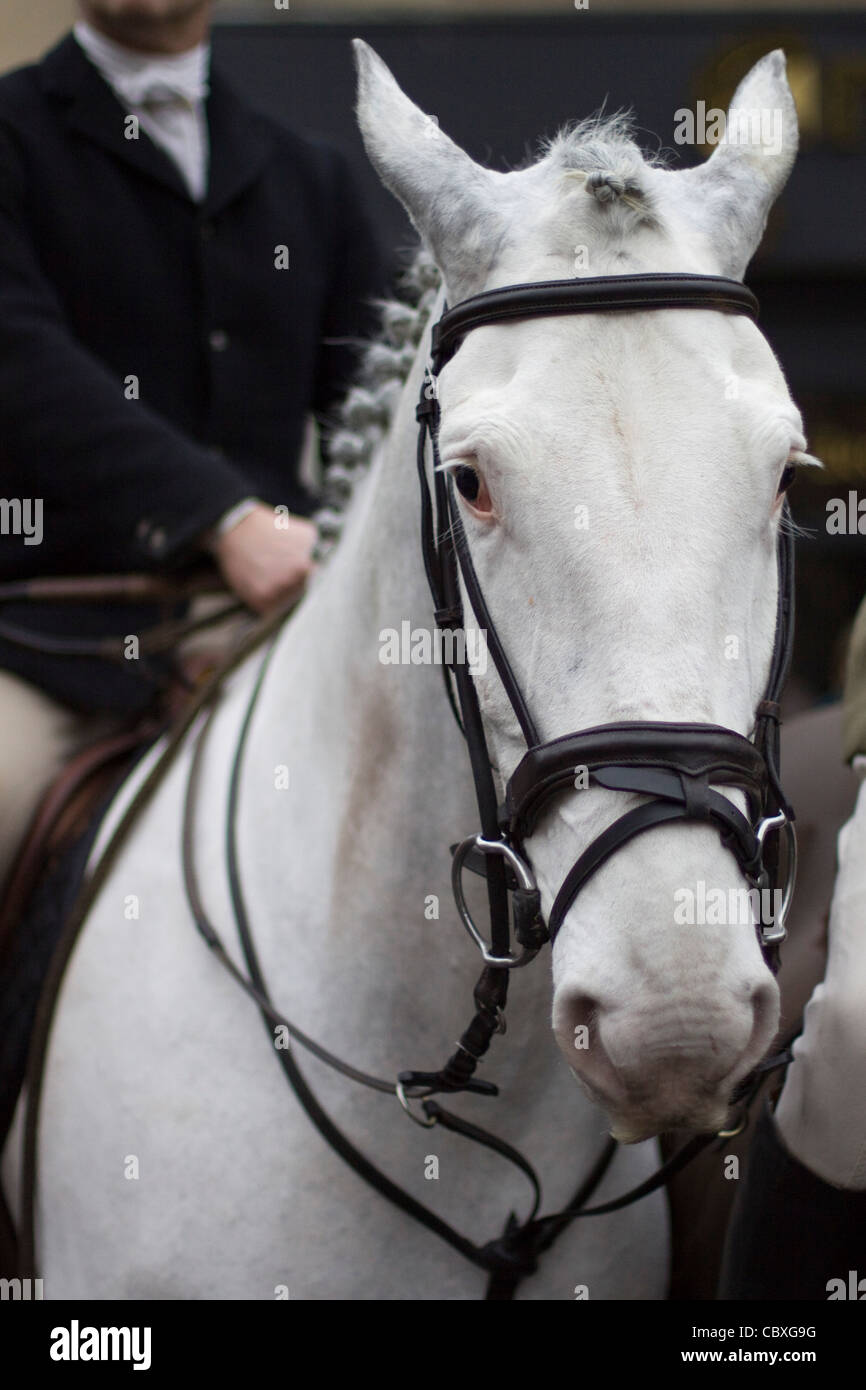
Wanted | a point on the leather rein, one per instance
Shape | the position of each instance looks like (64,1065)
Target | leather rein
(673,765)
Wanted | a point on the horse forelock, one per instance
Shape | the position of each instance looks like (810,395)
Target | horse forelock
(602,151)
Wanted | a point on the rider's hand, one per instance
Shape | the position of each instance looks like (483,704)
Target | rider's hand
(264,563)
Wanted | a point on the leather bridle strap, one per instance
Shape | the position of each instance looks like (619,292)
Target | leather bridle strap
(526,1242)
(586,295)
(482,614)
(705,751)
(501,1259)
(626,828)
(768,715)
(121,589)
(671,763)
(513,1255)
(751,768)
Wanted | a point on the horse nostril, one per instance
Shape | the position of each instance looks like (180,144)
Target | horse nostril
(577,1018)
(575,1021)
(765,1007)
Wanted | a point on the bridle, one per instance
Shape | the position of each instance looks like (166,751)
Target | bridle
(675,766)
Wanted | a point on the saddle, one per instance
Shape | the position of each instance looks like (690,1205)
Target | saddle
(64,814)
(44,883)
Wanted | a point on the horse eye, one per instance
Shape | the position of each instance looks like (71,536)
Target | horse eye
(789,473)
(467,482)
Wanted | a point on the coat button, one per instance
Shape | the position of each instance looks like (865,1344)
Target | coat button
(218,339)
(151,536)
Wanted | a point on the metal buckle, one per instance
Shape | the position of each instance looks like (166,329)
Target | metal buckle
(738,1128)
(776,930)
(525,879)
(428,1122)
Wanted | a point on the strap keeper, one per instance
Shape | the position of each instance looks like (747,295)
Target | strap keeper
(695,796)
(529,925)
(752,865)
(448,617)
(769,709)
(435,1079)
(427,406)
(437,353)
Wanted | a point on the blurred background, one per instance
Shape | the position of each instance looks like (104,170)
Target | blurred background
(498,74)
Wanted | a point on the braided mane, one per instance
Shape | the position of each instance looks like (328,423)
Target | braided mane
(365,415)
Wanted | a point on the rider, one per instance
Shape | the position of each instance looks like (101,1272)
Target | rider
(181,281)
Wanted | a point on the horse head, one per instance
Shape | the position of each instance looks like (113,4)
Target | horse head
(620,479)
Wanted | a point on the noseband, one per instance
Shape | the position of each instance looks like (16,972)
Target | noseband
(675,767)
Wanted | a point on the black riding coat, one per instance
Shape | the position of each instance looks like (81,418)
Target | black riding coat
(791,1233)
(113,281)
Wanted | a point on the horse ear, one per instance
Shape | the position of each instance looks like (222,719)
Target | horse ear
(449,197)
(748,169)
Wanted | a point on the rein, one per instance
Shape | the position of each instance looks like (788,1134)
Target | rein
(673,764)
(121,589)
(508,1258)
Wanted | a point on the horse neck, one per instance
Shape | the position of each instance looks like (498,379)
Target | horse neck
(374,581)
(329,692)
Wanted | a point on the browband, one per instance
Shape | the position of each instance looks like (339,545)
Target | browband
(609,292)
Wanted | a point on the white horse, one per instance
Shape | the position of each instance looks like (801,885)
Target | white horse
(174,1162)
